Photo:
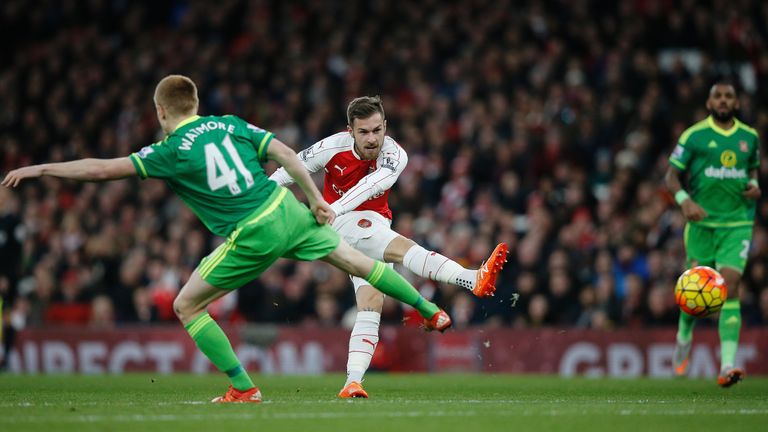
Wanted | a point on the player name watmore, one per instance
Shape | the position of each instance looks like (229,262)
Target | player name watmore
(193,133)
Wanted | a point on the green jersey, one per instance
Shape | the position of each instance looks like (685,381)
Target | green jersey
(718,162)
(214,165)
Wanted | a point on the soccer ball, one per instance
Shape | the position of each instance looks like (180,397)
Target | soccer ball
(700,291)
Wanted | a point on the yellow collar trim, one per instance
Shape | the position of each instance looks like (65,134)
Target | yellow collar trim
(186,121)
(722,131)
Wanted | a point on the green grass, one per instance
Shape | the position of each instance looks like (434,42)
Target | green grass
(403,403)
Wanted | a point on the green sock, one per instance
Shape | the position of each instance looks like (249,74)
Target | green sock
(685,327)
(728,327)
(212,341)
(392,284)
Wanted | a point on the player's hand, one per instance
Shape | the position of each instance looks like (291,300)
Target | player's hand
(752,192)
(323,212)
(16,176)
(692,211)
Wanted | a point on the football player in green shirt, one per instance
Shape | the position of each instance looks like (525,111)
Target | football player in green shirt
(721,156)
(214,165)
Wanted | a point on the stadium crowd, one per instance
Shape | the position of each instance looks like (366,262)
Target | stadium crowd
(546,125)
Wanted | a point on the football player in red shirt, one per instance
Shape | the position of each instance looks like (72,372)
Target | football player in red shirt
(361,164)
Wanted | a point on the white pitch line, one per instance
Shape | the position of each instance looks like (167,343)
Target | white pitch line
(239,416)
(143,418)
(379,402)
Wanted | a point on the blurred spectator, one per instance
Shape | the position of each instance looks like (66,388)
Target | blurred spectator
(102,313)
(462,310)
(562,298)
(143,308)
(69,304)
(327,311)
(538,311)
(661,307)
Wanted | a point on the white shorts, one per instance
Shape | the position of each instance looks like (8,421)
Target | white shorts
(368,232)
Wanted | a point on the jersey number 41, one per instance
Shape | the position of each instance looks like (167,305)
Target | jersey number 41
(219,172)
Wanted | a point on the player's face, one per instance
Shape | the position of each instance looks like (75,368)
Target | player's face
(369,135)
(722,102)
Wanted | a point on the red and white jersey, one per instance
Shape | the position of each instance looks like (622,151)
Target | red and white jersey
(351,183)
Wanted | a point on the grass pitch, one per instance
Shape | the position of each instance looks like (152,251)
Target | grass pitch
(422,403)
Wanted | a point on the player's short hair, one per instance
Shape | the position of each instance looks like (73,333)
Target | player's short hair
(724,81)
(364,107)
(177,94)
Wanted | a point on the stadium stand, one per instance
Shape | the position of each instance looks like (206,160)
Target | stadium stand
(543,124)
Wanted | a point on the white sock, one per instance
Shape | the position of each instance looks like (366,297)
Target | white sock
(362,344)
(432,265)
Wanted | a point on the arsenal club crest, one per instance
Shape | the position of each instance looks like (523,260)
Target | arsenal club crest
(364,223)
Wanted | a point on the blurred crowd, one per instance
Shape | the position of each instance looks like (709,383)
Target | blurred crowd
(544,124)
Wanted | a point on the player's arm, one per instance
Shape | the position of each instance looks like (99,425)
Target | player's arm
(83,170)
(753,186)
(391,163)
(282,154)
(691,210)
(752,191)
(309,158)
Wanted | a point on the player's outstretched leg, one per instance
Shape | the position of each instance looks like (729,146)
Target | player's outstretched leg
(190,306)
(392,284)
(389,282)
(683,343)
(432,265)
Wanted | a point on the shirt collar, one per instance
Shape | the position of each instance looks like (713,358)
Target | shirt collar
(186,121)
(722,131)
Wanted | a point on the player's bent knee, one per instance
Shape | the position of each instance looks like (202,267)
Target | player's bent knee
(182,307)
(397,248)
(178,307)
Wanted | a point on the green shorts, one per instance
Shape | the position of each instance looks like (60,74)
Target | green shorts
(281,227)
(717,247)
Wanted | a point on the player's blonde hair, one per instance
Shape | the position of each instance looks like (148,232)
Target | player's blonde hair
(177,94)
(364,107)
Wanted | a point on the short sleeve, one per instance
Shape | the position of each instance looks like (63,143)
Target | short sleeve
(261,139)
(681,155)
(157,161)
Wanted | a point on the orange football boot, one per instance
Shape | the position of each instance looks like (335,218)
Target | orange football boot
(234,395)
(730,377)
(353,390)
(485,285)
(440,321)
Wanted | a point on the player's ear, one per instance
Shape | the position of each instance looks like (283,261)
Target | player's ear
(349,129)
